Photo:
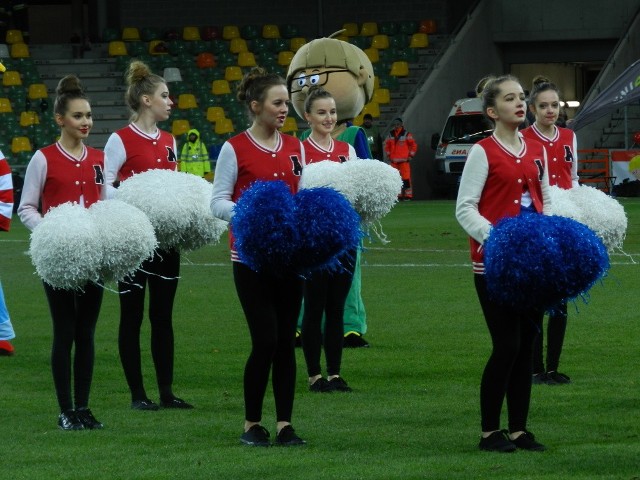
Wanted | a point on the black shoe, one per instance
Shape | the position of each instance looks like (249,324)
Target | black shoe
(256,436)
(320,386)
(287,437)
(68,420)
(338,384)
(497,442)
(176,402)
(87,419)
(144,404)
(355,340)
(557,378)
(539,378)
(527,441)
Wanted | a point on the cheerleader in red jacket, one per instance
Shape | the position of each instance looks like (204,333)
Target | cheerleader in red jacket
(562,155)
(68,171)
(504,175)
(136,148)
(325,292)
(271,304)
(6,210)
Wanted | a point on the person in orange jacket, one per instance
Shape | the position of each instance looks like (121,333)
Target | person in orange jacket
(400,148)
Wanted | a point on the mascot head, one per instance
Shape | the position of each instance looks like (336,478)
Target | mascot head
(339,67)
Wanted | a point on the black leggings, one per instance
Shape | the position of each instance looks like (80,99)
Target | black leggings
(556,327)
(509,368)
(74,315)
(161,274)
(326,292)
(271,306)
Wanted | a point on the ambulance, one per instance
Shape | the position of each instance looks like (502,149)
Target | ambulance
(464,126)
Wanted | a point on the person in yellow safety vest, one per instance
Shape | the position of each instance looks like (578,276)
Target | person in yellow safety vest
(400,148)
(194,157)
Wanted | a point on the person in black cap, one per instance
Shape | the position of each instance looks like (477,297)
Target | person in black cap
(400,148)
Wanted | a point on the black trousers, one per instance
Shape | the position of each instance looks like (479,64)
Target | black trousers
(271,306)
(160,274)
(556,328)
(74,315)
(509,368)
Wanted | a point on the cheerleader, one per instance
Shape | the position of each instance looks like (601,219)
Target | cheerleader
(271,303)
(68,171)
(6,210)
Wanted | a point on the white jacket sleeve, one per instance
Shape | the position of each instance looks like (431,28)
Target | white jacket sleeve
(34,179)
(115,156)
(575,180)
(474,176)
(224,182)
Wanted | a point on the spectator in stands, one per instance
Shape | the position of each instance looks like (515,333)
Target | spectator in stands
(373,136)
(194,157)
(400,148)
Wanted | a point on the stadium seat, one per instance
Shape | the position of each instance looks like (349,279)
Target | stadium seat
(380,41)
(399,69)
(427,26)
(4,51)
(381,96)
(117,48)
(249,32)
(11,78)
(419,40)
(296,42)
(399,41)
(190,33)
(270,31)
(179,127)
(284,58)
(246,59)
(5,105)
(29,118)
(172,74)
(238,45)
(290,125)
(220,87)
(233,73)
(109,34)
(230,31)
(148,34)
(158,47)
(206,60)
(210,32)
(408,27)
(21,144)
(14,36)
(369,29)
(372,108)
(388,28)
(20,50)
(289,30)
(198,46)
(215,113)
(372,53)
(186,101)
(224,125)
(130,34)
(350,29)
(37,90)
(137,48)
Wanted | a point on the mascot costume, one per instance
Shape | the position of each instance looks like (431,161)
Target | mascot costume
(347,73)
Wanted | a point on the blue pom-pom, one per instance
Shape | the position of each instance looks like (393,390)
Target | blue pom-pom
(328,227)
(538,261)
(264,226)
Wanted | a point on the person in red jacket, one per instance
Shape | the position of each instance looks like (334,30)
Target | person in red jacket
(6,209)
(400,148)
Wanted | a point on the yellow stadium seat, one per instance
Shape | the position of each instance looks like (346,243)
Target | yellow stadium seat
(186,101)
(37,90)
(11,78)
(373,54)
(215,113)
(381,95)
(21,144)
(224,125)
(130,34)
(29,118)
(238,45)
(246,59)
(350,29)
(358,120)
(290,125)
(14,36)
(191,33)
(296,42)
(180,127)
(20,50)
(285,57)
(117,48)
(380,41)
(233,73)
(376,83)
(230,31)
(372,108)
(399,69)
(5,105)
(220,87)
(369,29)
(270,31)
(157,47)
(419,40)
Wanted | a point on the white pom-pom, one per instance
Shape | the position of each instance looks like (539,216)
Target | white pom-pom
(563,204)
(126,235)
(328,174)
(65,247)
(177,205)
(602,213)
